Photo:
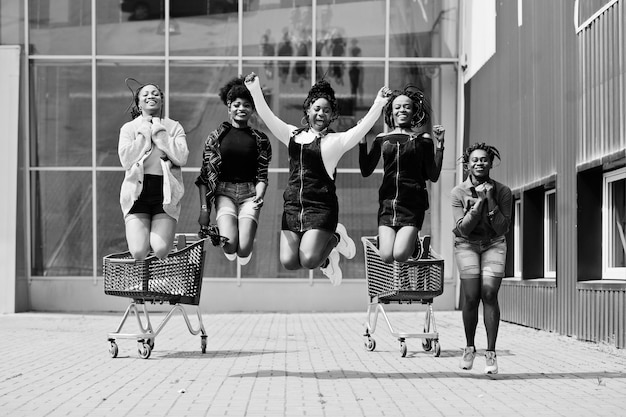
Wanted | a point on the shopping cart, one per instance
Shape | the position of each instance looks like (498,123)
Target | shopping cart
(176,279)
(402,282)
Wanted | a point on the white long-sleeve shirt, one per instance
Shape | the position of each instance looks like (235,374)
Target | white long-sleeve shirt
(333,145)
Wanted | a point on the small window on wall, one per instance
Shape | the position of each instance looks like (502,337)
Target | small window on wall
(517,238)
(549,234)
(614,225)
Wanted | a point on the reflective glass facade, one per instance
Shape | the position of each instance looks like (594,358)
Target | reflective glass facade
(81,51)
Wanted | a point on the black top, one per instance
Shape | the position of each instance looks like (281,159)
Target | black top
(239,156)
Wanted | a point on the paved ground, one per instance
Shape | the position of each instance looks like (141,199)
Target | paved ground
(296,365)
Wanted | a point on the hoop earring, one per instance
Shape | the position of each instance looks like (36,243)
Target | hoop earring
(304,121)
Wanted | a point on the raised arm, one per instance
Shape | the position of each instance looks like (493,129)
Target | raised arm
(350,138)
(281,130)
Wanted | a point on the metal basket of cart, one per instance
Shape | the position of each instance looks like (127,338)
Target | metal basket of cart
(176,279)
(417,280)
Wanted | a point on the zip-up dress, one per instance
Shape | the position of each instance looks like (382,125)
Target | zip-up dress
(310,199)
(408,162)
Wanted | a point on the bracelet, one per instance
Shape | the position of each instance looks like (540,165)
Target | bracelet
(492,213)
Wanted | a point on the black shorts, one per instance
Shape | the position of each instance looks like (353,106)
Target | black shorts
(150,200)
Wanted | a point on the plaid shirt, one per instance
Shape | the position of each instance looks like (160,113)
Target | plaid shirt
(212,159)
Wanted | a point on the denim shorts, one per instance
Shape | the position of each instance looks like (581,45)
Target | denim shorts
(236,199)
(484,258)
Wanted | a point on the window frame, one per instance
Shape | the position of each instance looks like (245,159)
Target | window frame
(517,238)
(607,232)
(547,242)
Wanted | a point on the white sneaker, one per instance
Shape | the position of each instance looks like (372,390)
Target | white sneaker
(332,270)
(467,361)
(244,260)
(491,363)
(346,245)
(230,256)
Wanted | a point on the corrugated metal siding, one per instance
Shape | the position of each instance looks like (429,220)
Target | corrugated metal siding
(602,77)
(530,303)
(602,315)
(515,99)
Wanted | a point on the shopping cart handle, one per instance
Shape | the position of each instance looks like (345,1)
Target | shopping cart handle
(126,261)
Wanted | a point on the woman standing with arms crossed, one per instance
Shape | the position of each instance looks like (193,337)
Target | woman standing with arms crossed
(234,174)
(152,150)
(311,236)
(409,160)
(482,214)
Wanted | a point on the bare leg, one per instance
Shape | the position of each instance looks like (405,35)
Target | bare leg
(247,232)
(290,250)
(386,242)
(138,236)
(228,228)
(472,292)
(162,234)
(315,247)
(491,309)
(405,243)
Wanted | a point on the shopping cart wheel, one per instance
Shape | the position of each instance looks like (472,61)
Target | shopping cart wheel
(403,348)
(203,343)
(113,349)
(151,343)
(370,344)
(144,350)
(437,350)
(427,345)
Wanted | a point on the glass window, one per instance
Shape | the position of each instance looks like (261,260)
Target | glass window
(204,27)
(60,27)
(130,27)
(614,225)
(339,34)
(517,238)
(61,219)
(111,235)
(194,100)
(114,98)
(11,22)
(549,237)
(61,113)
(276,28)
(423,29)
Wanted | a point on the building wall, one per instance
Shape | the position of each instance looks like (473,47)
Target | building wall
(552,101)
(74,98)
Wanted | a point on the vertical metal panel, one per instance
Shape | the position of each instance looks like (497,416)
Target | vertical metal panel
(601,315)
(530,303)
(601,69)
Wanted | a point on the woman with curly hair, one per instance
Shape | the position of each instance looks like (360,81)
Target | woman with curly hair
(311,236)
(482,213)
(409,160)
(233,174)
(152,149)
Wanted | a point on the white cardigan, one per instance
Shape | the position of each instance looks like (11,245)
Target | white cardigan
(137,140)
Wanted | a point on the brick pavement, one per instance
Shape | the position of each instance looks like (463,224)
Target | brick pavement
(297,365)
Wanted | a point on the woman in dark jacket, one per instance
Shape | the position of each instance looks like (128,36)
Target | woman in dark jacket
(233,175)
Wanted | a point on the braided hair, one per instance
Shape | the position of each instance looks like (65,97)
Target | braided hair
(421,106)
(492,152)
(133,107)
(235,89)
(321,89)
